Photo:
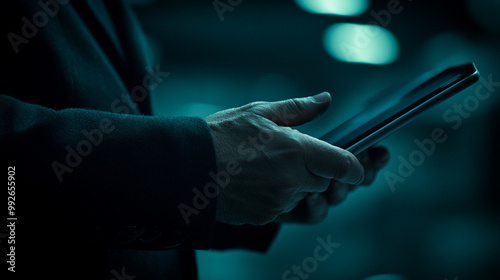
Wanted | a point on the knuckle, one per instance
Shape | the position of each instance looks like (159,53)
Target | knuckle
(294,142)
(296,105)
(256,106)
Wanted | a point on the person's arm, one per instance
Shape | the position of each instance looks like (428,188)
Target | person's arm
(113,179)
(140,182)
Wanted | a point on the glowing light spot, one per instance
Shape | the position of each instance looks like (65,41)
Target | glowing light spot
(360,43)
(334,7)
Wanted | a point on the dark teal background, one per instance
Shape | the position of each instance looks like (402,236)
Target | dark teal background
(442,222)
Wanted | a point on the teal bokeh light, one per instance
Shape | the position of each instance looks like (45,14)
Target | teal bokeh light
(334,7)
(360,43)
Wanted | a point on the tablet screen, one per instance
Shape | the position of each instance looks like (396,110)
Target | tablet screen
(398,104)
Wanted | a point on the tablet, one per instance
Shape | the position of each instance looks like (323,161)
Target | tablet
(397,105)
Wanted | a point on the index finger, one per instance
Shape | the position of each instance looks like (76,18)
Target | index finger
(328,161)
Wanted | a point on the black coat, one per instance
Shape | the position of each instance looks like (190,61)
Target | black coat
(100,184)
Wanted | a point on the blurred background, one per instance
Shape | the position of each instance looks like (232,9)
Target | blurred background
(439,222)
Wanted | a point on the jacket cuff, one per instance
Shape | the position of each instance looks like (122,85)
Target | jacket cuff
(256,238)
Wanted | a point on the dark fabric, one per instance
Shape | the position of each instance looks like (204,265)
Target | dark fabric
(98,180)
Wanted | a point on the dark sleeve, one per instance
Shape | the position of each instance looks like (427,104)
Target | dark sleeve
(111,179)
(255,238)
(118,181)
(87,176)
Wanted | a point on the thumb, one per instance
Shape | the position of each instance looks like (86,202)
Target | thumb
(296,111)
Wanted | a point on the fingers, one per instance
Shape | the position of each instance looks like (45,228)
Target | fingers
(373,160)
(310,210)
(337,192)
(327,161)
(322,159)
(314,207)
(379,156)
(298,198)
(293,112)
(317,206)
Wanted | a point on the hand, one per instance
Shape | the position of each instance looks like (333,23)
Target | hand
(314,207)
(272,166)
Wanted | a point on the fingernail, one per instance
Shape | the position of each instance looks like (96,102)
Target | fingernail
(321,97)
